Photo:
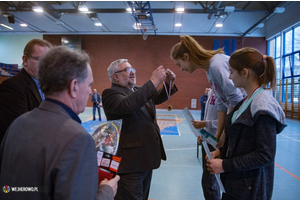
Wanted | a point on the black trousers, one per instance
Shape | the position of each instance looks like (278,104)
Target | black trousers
(134,186)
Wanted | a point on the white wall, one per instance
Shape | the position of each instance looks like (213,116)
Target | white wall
(284,20)
(12,46)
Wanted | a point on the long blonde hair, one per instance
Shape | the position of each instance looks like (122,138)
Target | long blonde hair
(196,52)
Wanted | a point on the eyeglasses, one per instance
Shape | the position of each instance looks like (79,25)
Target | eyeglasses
(128,70)
(35,58)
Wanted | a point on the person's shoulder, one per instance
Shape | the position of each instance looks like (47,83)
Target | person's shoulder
(109,90)
(219,56)
(217,61)
(69,128)
(263,96)
(137,86)
(15,82)
(264,101)
(116,87)
(22,76)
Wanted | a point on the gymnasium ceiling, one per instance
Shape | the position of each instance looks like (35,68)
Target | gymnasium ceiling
(239,18)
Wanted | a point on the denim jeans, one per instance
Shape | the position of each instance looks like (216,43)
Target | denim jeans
(94,110)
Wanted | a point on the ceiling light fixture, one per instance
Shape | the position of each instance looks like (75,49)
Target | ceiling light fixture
(37,9)
(128,9)
(260,25)
(279,10)
(24,25)
(178,24)
(83,8)
(12,8)
(219,25)
(64,41)
(179,9)
(59,23)
(98,24)
(7,26)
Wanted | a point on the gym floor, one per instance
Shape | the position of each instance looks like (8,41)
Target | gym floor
(179,178)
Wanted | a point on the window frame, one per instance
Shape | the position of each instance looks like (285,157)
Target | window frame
(283,59)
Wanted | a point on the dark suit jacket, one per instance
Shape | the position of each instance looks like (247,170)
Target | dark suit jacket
(96,98)
(18,94)
(140,147)
(46,148)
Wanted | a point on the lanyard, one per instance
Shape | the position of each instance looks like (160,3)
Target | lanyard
(168,94)
(245,104)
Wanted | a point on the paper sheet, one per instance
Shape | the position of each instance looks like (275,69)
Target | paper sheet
(188,117)
(209,138)
(210,157)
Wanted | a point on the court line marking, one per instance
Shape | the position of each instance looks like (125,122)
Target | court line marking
(287,172)
(275,163)
(290,138)
(89,119)
(289,131)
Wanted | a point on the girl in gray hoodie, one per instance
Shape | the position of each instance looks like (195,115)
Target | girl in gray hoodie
(246,160)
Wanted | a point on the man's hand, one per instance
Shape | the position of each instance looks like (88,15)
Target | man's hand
(158,76)
(113,183)
(171,76)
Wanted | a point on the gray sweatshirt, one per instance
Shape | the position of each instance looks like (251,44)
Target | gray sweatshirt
(218,77)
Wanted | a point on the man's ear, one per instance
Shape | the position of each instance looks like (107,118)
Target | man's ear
(115,78)
(73,88)
(24,58)
(186,56)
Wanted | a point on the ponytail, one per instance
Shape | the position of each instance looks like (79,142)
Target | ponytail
(263,66)
(269,75)
(196,52)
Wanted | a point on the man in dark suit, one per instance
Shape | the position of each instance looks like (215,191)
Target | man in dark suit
(140,147)
(47,149)
(20,93)
(96,99)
